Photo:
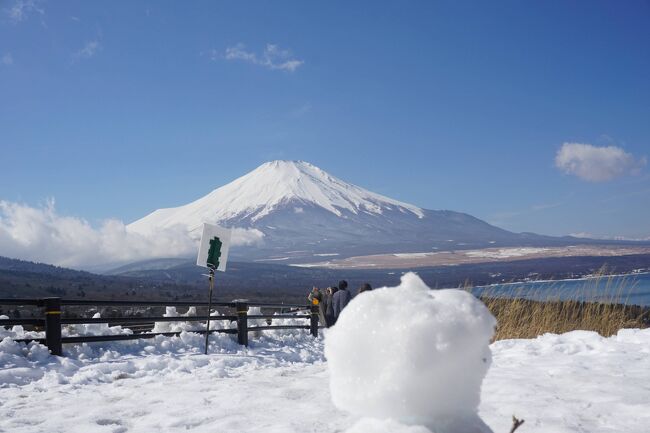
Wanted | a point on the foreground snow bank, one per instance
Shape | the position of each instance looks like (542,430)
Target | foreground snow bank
(574,382)
(18,332)
(412,354)
(21,363)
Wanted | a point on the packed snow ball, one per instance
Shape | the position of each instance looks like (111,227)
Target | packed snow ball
(412,354)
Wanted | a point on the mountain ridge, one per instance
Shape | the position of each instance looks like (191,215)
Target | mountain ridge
(299,211)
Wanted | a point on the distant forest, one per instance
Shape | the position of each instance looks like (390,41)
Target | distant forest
(266,282)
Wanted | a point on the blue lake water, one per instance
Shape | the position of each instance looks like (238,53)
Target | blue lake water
(633,289)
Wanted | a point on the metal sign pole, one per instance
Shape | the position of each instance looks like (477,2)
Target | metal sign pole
(207,325)
(213,254)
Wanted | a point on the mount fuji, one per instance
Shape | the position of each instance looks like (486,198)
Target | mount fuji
(294,211)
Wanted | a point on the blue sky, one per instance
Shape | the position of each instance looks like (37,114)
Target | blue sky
(119,108)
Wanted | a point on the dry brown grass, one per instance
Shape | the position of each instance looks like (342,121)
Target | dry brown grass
(525,318)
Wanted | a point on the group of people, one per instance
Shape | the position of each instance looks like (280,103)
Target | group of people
(333,300)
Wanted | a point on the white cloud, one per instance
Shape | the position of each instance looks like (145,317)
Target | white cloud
(597,164)
(7,59)
(238,52)
(22,9)
(88,50)
(41,234)
(242,236)
(273,57)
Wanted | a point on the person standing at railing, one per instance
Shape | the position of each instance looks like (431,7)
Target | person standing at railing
(317,298)
(315,295)
(329,307)
(365,287)
(340,299)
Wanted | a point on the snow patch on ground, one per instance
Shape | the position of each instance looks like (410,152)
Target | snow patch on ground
(504,253)
(573,382)
(273,259)
(413,255)
(310,265)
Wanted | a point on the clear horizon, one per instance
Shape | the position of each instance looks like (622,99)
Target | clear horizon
(532,117)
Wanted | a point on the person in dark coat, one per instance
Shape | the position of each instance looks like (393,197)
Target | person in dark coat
(365,287)
(340,299)
(316,297)
(329,306)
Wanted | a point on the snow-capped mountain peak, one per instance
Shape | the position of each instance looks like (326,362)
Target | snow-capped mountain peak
(271,185)
(276,182)
(293,211)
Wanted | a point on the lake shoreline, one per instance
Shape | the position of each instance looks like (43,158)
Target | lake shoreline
(583,278)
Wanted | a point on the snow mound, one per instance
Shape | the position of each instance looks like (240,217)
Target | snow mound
(107,362)
(412,354)
(87,329)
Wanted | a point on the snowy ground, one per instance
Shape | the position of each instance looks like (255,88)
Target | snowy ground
(460,257)
(576,382)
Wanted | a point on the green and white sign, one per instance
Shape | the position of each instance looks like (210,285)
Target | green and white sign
(213,250)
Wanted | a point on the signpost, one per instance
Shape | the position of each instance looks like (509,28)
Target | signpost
(213,254)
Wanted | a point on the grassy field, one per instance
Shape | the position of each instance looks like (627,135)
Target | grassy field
(518,317)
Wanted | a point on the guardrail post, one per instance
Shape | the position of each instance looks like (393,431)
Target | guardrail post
(313,324)
(242,323)
(53,325)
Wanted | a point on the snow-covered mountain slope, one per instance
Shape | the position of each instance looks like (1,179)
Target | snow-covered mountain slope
(267,189)
(294,209)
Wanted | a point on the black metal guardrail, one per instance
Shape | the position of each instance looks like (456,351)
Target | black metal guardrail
(53,319)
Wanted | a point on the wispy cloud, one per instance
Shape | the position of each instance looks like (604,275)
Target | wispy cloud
(597,164)
(22,9)
(88,50)
(7,59)
(238,52)
(273,57)
(42,234)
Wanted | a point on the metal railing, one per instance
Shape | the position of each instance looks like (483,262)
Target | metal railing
(53,319)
